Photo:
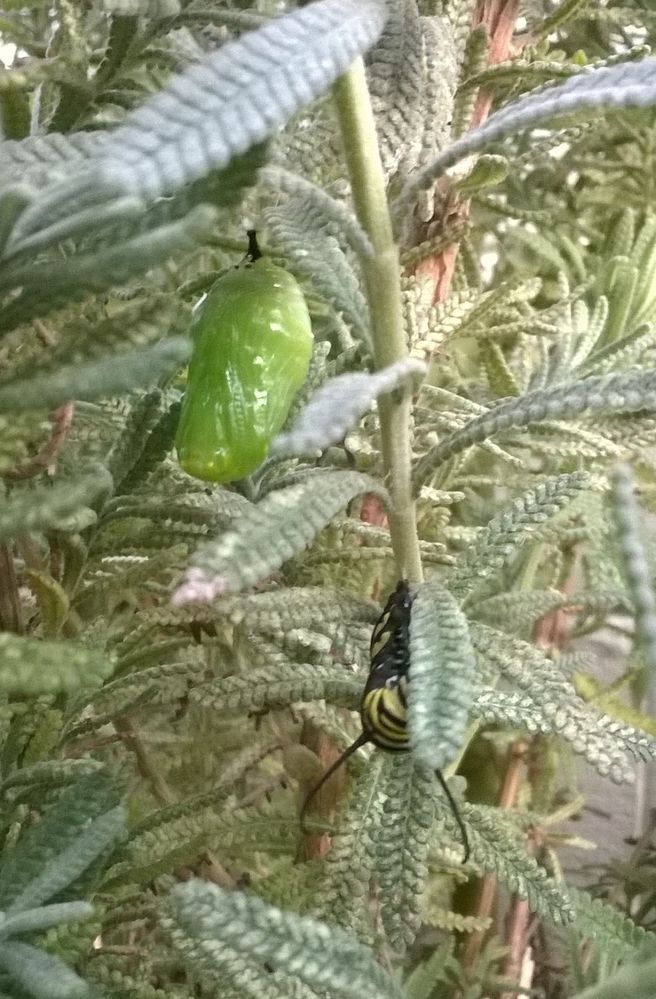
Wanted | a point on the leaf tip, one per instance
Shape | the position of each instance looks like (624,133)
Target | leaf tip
(198,588)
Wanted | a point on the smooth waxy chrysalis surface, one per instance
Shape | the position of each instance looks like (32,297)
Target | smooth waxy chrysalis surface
(252,348)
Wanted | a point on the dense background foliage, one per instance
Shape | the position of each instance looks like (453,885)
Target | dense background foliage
(179,660)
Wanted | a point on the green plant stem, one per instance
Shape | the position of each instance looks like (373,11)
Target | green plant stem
(382,273)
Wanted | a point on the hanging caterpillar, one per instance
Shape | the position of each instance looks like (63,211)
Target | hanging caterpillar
(383,707)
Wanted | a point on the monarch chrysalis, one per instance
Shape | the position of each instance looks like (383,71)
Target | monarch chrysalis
(252,348)
(383,707)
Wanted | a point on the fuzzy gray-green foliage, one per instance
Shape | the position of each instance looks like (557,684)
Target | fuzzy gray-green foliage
(318,955)
(135,137)
(281,525)
(45,863)
(442,665)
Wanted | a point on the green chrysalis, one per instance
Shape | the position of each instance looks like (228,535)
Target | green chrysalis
(252,348)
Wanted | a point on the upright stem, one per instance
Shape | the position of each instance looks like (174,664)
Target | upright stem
(11,618)
(382,273)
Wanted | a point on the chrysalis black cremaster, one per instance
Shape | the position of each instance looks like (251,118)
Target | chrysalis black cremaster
(383,708)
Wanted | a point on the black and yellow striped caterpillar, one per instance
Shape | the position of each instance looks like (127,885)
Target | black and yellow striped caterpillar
(383,708)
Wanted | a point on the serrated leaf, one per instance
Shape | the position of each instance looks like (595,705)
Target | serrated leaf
(270,533)
(442,665)
(63,869)
(314,254)
(42,842)
(31,666)
(607,926)
(629,84)
(338,405)
(94,379)
(48,285)
(45,509)
(403,840)
(36,158)
(320,955)
(513,527)
(498,849)
(638,573)
(219,107)
(627,392)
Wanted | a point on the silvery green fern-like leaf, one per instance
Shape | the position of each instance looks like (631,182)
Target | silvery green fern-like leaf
(315,255)
(631,85)
(32,666)
(637,570)
(338,404)
(260,689)
(270,533)
(496,848)
(602,740)
(219,107)
(442,667)
(41,158)
(403,842)
(46,508)
(620,393)
(96,378)
(513,527)
(43,917)
(40,845)
(326,212)
(49,284)
(41,975)
(606,925)
(63,869)
(395,77)
(321,956)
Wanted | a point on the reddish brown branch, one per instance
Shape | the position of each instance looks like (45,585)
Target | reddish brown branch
(324,806)
(11,616)
(512,782)
(46,458)
(499,18)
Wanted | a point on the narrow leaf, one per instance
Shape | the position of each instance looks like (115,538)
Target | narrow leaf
(320,955)
(76,807)
(97,379)
(331,210)
(622,393)
(46,286)
(280,67)
(41,975)
(628,85)
(66,867)
(513,527)
(631,531)
(46,508)
(339,404)
(32,666)
(32,920)
(442,665)
(221,106)
(498,849)
(270,533)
